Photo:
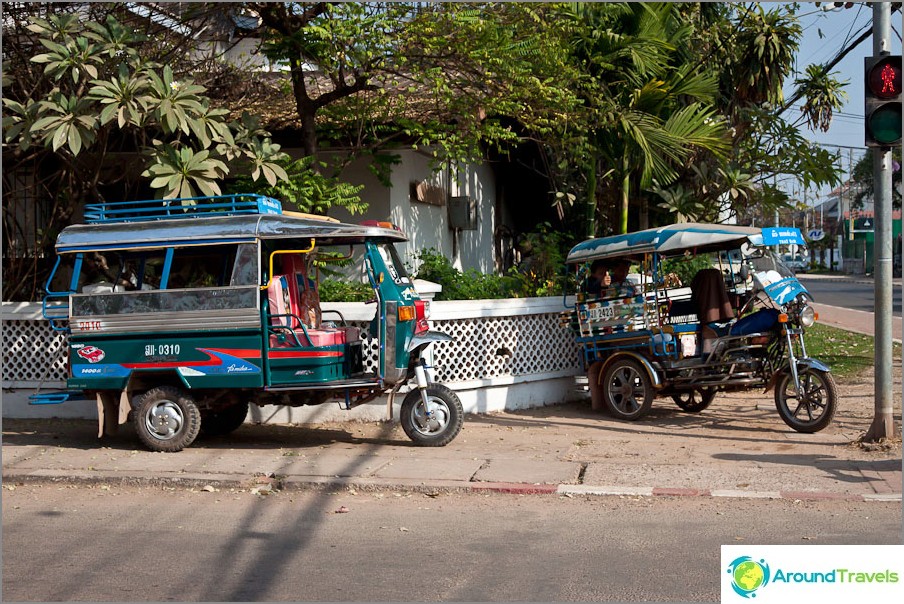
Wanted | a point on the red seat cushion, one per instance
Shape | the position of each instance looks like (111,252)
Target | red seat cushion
(324,337)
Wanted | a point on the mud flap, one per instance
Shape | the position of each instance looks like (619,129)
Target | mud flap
(110,414)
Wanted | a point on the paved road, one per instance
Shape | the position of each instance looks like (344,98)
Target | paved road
(114,543)
(855,294)
(841,301)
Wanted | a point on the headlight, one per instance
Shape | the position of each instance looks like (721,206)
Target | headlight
(807,316)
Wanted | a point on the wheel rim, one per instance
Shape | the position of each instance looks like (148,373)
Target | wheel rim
(626,390)
(694,400)
(434,422)
(812,403)
(164,420)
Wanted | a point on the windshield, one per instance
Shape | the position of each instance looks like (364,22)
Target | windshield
(770,261)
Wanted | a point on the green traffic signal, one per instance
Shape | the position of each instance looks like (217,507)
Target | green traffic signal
(885,123)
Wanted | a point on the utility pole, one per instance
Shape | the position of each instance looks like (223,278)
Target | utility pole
(883,420)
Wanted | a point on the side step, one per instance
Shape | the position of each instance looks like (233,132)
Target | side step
(55,398)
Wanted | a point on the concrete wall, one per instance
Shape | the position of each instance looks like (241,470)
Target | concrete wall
(426,225)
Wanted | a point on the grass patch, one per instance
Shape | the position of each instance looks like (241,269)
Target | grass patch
(846,353)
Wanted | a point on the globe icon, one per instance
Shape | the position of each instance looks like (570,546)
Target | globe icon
(748,575)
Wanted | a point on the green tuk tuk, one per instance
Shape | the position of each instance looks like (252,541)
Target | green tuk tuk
(181,312)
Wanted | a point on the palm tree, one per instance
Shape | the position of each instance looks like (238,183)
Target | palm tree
(654,106)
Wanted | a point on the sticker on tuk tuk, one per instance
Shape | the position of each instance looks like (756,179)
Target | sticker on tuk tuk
(785,291)
(92,354)
(782,236)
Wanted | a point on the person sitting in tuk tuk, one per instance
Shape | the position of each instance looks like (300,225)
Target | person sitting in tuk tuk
(609,280)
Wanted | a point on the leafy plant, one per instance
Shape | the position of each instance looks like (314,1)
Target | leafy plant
(343,290)
(458,285)
(100,89)
(305,188)
(182,171)
(686,268)
(78,86)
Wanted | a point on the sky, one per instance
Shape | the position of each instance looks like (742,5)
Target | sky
(825,33)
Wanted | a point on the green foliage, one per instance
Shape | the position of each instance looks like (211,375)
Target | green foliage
(181,172)
(458,285)
(862,179)
(433,76)
(307,189)
(67,121)
(343,290)
(97,87)
(824,95)
(686,267)
(541,271)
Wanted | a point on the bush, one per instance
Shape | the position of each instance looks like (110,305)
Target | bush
(335,290)
(458,285)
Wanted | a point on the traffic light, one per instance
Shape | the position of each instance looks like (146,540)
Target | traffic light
(883,100)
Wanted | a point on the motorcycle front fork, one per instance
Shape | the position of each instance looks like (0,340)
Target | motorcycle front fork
(792,359)
(423,375)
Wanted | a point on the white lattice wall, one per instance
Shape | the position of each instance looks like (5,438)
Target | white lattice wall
(33,353)
(495,342)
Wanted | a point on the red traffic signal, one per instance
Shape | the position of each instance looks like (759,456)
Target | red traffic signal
(883,100)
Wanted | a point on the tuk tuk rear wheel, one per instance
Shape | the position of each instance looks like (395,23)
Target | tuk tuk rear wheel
(627,389)
(224,421)
(695,401)
(815,408)
(441,425)
(166,419)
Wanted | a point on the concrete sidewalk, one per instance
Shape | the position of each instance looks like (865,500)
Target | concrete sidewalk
(739,447)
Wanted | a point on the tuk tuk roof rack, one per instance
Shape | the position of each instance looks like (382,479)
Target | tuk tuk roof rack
(183,207)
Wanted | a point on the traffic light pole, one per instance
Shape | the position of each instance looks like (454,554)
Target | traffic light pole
(883,419)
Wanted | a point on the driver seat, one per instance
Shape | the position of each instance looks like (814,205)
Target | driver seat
(710,298)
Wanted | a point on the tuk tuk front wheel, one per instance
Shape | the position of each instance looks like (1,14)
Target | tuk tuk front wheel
(627,389)
(436,426)
(815,408)
(695,401)
(166,419)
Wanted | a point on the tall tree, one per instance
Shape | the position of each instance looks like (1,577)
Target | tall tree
(77,91)
(653,107)
(751,50)
(435,75)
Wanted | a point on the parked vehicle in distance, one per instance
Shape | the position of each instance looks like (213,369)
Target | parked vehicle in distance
(181,312)
(796,263)
(739,325)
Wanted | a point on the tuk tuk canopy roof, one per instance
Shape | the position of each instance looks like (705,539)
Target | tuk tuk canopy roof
(215,230)
(670,239)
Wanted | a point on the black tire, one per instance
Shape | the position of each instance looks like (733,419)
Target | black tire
(816,407)
(695,401)
(627,389)
(443,427)
(223,421)
(166,419)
